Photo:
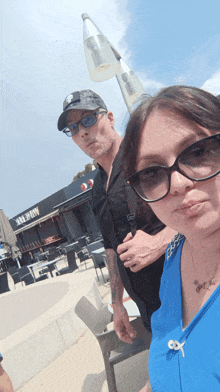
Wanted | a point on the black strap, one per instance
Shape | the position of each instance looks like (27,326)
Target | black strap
(132,206)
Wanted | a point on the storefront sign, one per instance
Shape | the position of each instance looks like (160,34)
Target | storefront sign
(27,216)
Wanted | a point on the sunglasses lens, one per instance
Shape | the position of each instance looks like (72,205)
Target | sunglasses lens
(88,121)
(67,131)
(151,183)
(74,129)
(201,160)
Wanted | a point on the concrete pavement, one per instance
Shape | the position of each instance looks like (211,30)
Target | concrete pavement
(46,347)
(81,369)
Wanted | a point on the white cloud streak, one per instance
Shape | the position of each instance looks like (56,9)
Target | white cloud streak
(212,85)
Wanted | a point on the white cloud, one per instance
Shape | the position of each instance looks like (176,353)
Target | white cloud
(151,86)
(212,85)
(42,62)
(180,80)
(42,52)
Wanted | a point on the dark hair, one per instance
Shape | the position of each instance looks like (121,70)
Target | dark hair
(188,102)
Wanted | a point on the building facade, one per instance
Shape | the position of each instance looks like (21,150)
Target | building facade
(64,216)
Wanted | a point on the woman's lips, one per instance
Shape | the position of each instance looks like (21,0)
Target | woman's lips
(190,208)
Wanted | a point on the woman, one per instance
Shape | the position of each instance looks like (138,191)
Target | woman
(172,143)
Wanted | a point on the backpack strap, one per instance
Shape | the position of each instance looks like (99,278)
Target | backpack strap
(132,206)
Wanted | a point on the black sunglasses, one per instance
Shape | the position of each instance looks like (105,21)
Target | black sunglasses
(198,162)
(86,122)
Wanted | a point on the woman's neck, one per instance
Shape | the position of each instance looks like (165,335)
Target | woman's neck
(205,244)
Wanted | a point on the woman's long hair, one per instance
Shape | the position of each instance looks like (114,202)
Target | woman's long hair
(188,102)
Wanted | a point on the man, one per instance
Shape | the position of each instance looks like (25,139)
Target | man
(87,120)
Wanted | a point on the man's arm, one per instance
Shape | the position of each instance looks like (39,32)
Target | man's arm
(121,322)
(5,382)
(143,249)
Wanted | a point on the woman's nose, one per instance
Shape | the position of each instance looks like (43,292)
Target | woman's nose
(179,183)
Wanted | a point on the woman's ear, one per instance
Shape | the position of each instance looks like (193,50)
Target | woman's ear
(110,118)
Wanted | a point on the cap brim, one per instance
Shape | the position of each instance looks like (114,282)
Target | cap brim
(61,124)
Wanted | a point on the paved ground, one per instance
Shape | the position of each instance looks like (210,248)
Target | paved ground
(80,367)
(39,300)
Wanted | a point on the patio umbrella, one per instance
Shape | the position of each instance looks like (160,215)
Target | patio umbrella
(8,238)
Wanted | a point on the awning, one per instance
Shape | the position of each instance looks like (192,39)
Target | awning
(36,222)
(75,201)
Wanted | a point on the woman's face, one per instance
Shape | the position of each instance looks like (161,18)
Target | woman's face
(189,206)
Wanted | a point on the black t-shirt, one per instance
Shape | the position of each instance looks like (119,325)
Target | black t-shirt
(111,210)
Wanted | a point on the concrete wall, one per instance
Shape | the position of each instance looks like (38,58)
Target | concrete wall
(43,326)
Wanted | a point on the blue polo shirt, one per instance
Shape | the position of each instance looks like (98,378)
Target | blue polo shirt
(189,359)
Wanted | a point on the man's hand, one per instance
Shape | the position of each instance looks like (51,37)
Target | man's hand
(122,326)
(143,249)
(121,322)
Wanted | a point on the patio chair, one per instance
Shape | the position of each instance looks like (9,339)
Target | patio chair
(113,349)
(94,296)
(71,261)
(82,242)
(62,249)
(53,256)
(50,268)
(26,275)
(42,257)
(53,250)
(83,255)
(13,271)
(94,246)
(98,261)
(4,286)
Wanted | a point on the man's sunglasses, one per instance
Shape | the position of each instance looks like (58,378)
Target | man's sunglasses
(86,122)
(198,162)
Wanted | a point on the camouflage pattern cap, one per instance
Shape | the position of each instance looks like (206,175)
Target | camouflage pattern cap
(80,100)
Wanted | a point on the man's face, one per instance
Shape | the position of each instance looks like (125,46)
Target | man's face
(96,140)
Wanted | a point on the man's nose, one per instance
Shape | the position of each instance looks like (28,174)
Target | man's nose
(83,132)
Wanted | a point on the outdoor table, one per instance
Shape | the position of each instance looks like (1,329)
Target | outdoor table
(34,265)
(129,305)
(44,253)
(102,252)
(73,243)
(46,264)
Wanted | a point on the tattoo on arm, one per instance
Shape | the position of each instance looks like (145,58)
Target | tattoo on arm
(115,280)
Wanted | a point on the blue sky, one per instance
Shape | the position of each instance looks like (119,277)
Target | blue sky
(179,41)
(42,61)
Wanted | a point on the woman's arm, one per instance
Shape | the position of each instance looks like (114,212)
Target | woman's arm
(147,387)
(5,382)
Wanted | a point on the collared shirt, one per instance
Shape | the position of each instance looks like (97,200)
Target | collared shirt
(111,209)
(183,359)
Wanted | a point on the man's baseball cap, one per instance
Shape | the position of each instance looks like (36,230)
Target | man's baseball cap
(80,100)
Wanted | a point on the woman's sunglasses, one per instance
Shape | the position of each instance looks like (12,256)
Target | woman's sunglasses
(86,122)
(198,162)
